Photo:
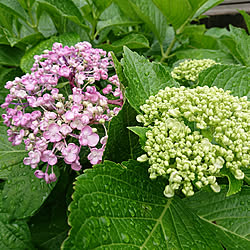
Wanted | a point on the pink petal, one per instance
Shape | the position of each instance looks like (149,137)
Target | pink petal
(52,160)
(93,139)
(87,130)
(70,157)
(83,142)
(76,166)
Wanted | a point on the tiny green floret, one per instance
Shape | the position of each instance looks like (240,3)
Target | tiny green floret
(194,133)
(189,69)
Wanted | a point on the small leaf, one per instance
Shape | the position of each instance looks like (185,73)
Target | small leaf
(234,184)
(181,12)
(229,77)
(132,41)
(63,8)
(122,144)
(13,7)
(10,56)
(68,39)
(112,17)
(144,78)
(141,132)
(246,18)
(148,13)
(46,25)
(238,44)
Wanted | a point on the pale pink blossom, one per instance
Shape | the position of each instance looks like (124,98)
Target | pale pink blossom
(87,137)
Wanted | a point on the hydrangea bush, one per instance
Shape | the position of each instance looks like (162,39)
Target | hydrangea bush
(54,125)
(190,187)
(193,134)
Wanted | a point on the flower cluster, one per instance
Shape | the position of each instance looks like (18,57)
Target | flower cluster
(56,125)
(189,69)
(193,134)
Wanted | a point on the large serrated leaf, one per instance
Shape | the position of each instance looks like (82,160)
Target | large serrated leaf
(144,78)
(122,144)
(232,213)
(68,39)
(181,12)
(119,207)
(229,77)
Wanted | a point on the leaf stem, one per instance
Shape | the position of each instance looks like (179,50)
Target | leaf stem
(166,54)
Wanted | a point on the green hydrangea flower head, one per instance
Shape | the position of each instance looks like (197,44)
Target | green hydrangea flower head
(190,69)
(193,134)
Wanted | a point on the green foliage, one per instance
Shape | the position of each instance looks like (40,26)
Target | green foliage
(105,214)
(116,206)
(122,144)
(229,77)
(144,78)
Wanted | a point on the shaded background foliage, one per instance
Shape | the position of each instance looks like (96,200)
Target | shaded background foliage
(33,215)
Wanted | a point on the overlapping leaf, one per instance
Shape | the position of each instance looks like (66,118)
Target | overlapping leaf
(229,77)
(118,206)
(181,12)
(144,78)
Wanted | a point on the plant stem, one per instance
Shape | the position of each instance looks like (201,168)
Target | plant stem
(166,54)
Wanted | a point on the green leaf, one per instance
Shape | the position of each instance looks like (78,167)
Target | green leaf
(246,19)
(132,41)
(46,25)
(119,72)
(10,56)
(247,175)
(141,132)
(23,193)
(119,207)
(144,78)
(181,12)
(14,234)
(231,214)
(112,17)
(68,39)
(122,144)
(217,55)
(234,184)
(229,77)
(63,8)
(148,13)
(13,7)
(238,44)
